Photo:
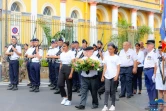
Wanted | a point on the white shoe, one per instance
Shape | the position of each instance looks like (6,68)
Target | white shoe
(112,108)
(105,108)
(67,103)
(63,101)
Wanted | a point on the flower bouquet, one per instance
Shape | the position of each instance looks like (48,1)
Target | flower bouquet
(86,65)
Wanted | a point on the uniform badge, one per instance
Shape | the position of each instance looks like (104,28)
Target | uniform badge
(149,58)
(128,57)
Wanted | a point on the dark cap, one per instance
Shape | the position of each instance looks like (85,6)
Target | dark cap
(60,39)
(14,37)
(73,42)
(94,45)
(76,42)
(150,42)
(88,48)
(84,41)
(31,40)
(35,39)
(159,47)
(99,42)
(52,41)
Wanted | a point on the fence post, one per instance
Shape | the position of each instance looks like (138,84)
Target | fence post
(1,39)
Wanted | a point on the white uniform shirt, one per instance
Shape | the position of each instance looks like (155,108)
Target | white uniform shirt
(127,58)
(36,59)
(52,51)
(14,56)
(78,50)
(145,51)
(28,51)
(66,57)
(150,59)
(111,62)
(91,72)
(79,53)
(140,58)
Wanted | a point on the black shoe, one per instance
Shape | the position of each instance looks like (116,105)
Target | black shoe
(53,88)
(57,92)
(33,89)
(11,88)
(121,96)
(128,97)
(50,85)
(80,107)
(10,85)
(37,89)
(74,89)
(94,106)
(79,95)
(15,88)
(29,84)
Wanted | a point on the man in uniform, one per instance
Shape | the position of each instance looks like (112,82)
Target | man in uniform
(23,66)
(51,61)
(76,80)
(14,53)
(5,66)
(89,82)
(35,55)
(128,66)
(28,52)
(57,62)
(150,67)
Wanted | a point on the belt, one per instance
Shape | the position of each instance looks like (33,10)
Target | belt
(93,77)
(66,64)
(126,67)
(149,68)
(14,60)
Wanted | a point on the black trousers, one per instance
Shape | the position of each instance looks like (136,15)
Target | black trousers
(64,77)
(76,80)
(14,71)
(28,70)
(138,78)
(126,78)
(35,72)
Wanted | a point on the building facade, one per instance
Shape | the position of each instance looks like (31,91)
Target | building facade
(96,13)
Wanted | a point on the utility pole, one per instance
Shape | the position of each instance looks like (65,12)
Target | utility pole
(6,22)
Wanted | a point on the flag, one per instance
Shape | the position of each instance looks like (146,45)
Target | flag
(163,27)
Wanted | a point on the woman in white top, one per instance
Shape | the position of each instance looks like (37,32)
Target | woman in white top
(158,79)
(65,74)
(137,78)
(110,75)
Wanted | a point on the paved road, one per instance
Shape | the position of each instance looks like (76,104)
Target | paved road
(45,100)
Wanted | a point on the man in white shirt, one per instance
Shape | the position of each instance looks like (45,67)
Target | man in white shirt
(142,48)
(28,62)
(128,66)
(89,81)
(35,54)
(14,53)
(150,68)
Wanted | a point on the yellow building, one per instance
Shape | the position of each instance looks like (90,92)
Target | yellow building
(90,19)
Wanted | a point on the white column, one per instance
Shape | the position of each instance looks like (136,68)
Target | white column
(114,16)
(114,22)
(33,16)
(93,33)
(63,13)
(134,18)
(151,24)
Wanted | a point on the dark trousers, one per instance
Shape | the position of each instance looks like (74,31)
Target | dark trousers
(110,89)
(56,74)
(137,79)
(76,80)
(126,80)
(52,75)
(35,72)
(28,70)
(150,85)
(89,84)
(64,76)
(99,79)
(14,71)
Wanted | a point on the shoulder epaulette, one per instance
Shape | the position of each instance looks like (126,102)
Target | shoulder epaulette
(154,51)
